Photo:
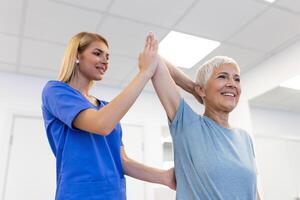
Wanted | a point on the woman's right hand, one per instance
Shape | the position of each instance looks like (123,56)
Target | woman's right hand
(148,59)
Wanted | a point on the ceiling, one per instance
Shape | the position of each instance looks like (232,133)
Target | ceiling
(33,33)
(279,98)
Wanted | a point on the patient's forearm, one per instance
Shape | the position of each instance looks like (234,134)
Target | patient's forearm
(180,78)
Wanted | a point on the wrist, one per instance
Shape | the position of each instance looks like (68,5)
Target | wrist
(145,74)
(165,177)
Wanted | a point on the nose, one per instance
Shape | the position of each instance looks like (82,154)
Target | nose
(231,82)
(104,59)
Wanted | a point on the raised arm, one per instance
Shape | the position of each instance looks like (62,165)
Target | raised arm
(104,120)
(182,80)
(166,89)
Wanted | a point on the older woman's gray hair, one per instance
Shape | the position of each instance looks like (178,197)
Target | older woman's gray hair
(205,71)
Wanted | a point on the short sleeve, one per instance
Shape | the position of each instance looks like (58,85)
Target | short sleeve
(63,102)
(183,118)
(251,145)
(254,157)
(251,150)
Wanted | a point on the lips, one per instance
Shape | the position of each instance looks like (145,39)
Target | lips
(230,94)
(101,69)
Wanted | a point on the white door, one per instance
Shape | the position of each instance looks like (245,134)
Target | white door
(133,140)
(279,166)
(30,171)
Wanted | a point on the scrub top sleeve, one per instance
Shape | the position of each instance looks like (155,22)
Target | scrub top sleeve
(64,103)
(121,136)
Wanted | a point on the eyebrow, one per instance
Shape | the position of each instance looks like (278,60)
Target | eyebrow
(228,74)
(101,51)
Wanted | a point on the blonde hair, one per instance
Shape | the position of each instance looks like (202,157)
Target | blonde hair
(76,45)
(205,71)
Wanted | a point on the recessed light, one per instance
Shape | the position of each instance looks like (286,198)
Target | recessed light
(270,1)
(185,50)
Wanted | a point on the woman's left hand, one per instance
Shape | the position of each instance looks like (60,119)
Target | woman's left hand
(170,179)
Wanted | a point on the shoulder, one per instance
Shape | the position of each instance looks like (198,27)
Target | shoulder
(184,106)
(245,135)
(241,131)
(52,84)
(57,92)
(53,87)
(185,115)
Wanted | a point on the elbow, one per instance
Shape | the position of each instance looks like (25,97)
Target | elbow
(104,131)
(124,160)
(102,125)
(125,163)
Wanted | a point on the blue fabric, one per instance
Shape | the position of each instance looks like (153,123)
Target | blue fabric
(211,162)
(88,166)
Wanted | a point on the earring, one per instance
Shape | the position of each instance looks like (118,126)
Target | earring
(77,61)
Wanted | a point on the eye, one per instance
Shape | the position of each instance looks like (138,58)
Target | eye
(237,79)
(222,76)
(97,53)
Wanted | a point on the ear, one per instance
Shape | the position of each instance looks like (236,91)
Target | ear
(200,91)
(77,56)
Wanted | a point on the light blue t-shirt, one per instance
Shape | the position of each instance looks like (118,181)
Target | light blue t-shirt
(211,162)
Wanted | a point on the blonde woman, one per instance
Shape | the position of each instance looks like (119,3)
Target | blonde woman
(84,132)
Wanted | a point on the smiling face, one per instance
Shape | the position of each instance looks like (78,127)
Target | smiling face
(93,61)
(222,90)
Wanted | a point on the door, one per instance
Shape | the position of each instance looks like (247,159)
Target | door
(30,171)
(279,166)
(133,140)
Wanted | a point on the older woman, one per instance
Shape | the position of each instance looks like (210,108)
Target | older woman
(213,160)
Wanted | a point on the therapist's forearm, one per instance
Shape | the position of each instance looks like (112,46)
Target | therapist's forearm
(145,173)
(259,197)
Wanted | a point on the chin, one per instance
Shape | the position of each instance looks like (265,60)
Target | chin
(98,78)
(229,107)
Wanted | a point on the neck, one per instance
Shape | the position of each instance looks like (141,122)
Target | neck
(80,84)
(219,117)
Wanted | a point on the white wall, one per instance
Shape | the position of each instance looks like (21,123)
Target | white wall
(19,94)
(268,122)
(266,76)
(277,140)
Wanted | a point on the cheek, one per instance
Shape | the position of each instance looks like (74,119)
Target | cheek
(85,68)
(239,91)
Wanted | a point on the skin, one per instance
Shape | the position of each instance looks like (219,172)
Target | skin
(221,93)
(93,63)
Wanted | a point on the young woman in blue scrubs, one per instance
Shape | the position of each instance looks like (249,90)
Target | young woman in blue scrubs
(84,132)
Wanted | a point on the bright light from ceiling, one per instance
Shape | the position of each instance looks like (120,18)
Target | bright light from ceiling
(270,1)
(185,50)
(293,83)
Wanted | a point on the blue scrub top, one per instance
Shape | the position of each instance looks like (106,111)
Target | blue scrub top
(88,166)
